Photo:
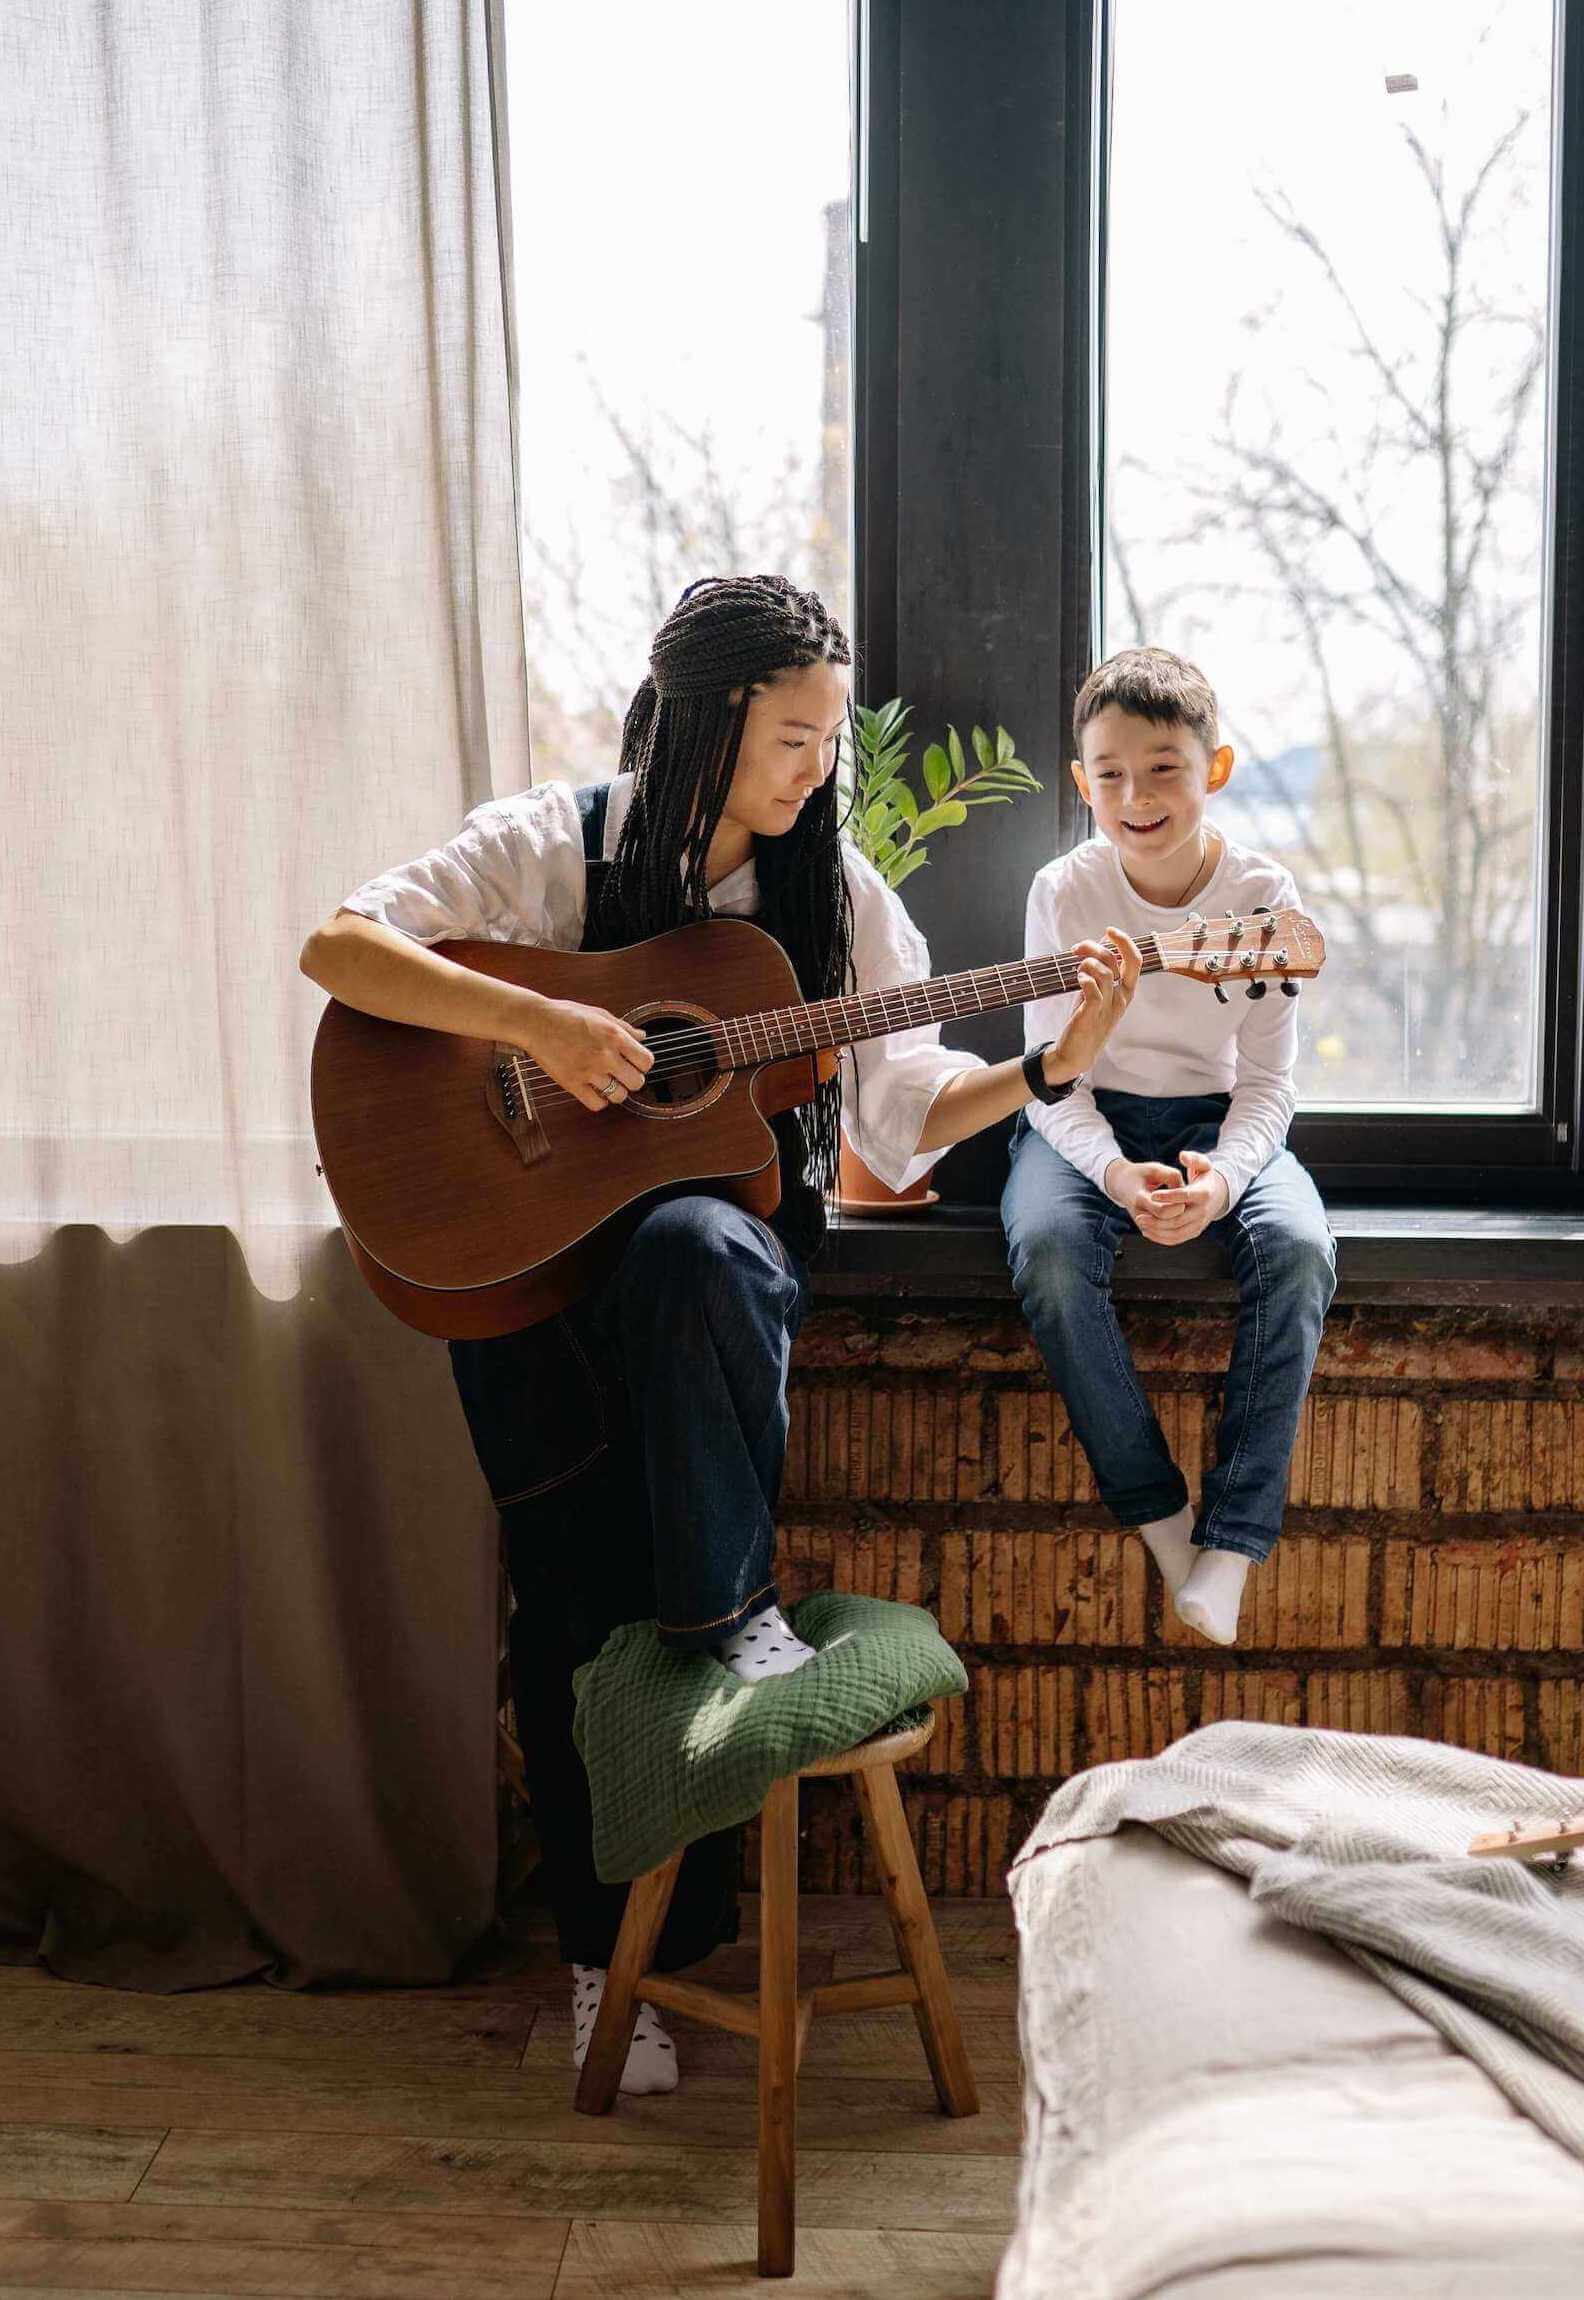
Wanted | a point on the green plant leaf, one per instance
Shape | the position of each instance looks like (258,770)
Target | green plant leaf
(891,715)
(914,859)
(983,750)
(1005,747)
(973,798)
(937,771)
(945,816)
(901,797)
(954,746)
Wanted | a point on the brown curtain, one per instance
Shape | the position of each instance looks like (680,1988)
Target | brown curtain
(260,635)
(247,1626)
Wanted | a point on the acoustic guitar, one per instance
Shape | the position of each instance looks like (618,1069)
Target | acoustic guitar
(478,1196)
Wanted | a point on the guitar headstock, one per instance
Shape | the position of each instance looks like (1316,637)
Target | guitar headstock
(1280,944)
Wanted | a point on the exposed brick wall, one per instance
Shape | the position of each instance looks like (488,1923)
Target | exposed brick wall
(1430,1579)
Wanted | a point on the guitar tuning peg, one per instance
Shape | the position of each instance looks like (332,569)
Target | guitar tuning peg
(1220,994)
(1256,990)
(1289,989)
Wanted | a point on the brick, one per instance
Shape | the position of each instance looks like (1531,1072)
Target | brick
(1445,1348)
(1561,1705)
(1264,1696)
(1357,1453)
(1484,1713)
(882,1441)
(1000,1344)
(1025,1720)
(1184,1342)
(964,1839)
(1081,1586)
(1133,1712)
(1360,1701)
(1486,1596)
(1313,1590)
(873,1561)
(1510,1454)
(1039,1459)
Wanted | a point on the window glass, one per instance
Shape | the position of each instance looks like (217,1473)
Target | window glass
(1326,356)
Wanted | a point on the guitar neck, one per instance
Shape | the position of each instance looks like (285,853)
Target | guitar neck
(831,1022)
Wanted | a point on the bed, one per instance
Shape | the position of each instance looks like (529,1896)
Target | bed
(1221,2105)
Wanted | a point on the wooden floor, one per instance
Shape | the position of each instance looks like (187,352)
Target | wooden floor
(421,2145)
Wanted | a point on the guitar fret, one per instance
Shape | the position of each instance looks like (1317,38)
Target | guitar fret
(835,1023)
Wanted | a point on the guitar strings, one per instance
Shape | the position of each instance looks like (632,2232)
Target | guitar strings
(692,1049)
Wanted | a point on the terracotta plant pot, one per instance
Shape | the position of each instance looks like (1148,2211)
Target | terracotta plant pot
(858,1191)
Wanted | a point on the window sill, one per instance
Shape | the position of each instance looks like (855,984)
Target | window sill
(1426,1254)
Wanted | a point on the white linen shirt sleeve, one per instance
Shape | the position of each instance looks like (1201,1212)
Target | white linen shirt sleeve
(1073,1126)
(513,873)
(1263,1095)
(889,1083)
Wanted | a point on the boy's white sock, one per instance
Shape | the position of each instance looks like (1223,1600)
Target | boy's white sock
(1170,1543)
(765,1646)
(651,2057)
(1210,1597)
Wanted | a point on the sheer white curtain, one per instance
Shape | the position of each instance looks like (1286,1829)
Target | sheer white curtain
(259,605)
(259,636)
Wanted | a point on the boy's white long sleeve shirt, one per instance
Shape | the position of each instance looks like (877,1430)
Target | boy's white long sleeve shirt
(1176,1038)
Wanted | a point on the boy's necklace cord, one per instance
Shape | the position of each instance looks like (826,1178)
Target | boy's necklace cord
(1192,888)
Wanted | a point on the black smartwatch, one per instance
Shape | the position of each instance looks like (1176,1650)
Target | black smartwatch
(1034,1076)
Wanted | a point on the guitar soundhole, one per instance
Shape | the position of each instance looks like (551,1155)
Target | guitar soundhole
(677,1083)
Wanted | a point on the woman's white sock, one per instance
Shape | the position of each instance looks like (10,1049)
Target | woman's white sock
(1211,1596)
(651,2057)
(1170,1543)
(765,1646)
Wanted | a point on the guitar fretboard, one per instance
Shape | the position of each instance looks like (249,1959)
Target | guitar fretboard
(831,1022)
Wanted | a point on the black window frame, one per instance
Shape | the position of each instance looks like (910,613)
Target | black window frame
(965,118)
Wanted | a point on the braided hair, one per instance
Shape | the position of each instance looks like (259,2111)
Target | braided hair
(680,742)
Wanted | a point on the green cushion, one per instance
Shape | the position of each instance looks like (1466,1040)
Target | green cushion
(677,1747)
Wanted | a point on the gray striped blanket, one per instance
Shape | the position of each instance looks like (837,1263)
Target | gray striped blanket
(1362,1837)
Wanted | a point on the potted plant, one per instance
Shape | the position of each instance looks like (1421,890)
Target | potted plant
(890,826)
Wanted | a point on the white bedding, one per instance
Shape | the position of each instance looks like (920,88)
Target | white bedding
(1219,2106)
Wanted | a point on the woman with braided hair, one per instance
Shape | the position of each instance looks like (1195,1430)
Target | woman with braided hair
(634,1444)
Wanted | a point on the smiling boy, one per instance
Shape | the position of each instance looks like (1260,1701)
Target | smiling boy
(1180,1127)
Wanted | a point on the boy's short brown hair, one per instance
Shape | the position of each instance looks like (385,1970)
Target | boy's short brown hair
(1151,683)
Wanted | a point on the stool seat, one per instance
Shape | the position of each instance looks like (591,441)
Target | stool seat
(888,1748)
(779,2017)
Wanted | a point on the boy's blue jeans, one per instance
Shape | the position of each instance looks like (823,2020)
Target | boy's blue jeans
(1062,1236)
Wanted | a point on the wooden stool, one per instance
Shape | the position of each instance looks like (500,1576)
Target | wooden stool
(778,2016)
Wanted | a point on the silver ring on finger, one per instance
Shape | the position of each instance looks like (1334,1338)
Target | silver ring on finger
(613,1089)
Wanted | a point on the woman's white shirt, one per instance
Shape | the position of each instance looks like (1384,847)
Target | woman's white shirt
(515,873)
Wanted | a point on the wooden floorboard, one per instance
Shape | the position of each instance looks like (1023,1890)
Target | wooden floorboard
(137,2091)
(357,2255)
(654,2261)
(421,2144)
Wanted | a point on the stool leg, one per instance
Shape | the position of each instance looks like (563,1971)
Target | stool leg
(648,1898)
(778,2022)
(885,1825)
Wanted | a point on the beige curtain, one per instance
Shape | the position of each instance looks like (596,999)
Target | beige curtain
(260,634)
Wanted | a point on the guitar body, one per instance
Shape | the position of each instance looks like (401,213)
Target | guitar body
(472,1207)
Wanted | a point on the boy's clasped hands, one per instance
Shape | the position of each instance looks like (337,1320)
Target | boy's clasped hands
(1166,1206)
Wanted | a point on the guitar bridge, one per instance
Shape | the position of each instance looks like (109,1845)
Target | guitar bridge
(510,1099)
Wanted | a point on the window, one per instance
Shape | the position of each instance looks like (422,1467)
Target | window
(682,275)
(1327,289)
